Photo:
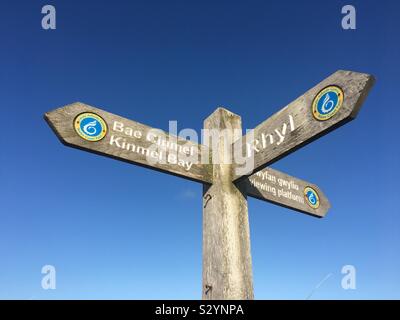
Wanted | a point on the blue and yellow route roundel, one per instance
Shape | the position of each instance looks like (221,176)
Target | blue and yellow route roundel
(311,197)
(327,103)
(90,126)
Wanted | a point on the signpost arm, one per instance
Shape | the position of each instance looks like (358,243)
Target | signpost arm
(302,122)
(227,267)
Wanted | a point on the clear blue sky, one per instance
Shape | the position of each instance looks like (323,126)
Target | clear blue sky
(115,230)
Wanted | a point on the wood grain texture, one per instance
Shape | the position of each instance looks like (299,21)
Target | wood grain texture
(286,191)
(227,268)
(61,121)
(298,115)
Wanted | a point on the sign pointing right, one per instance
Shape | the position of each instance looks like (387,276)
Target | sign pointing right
(327,106)
(281,189)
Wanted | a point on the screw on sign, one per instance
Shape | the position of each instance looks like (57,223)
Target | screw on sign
(227,268)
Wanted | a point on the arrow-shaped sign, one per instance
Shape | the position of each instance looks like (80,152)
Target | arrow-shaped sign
(88,128)
(286,191)
(330,104)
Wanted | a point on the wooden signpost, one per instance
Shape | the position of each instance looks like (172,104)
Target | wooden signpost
(227,269)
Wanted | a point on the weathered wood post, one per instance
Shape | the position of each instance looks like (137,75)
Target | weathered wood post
(227,268)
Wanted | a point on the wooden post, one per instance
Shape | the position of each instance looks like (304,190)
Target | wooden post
(227,268)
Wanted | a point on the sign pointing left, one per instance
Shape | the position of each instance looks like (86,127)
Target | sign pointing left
(81,126)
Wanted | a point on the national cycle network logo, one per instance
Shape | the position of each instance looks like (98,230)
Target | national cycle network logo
(311,197)
(90,126)
(327,103)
